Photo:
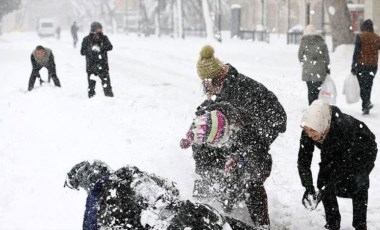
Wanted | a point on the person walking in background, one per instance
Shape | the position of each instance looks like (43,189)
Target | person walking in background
(74,33)
(262,116)
(314,57)
(95,47)
(58,32)
(43,57)
(364,62)
(348,153)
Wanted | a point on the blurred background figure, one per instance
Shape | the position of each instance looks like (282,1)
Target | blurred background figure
(58,32)
(314,58)
(364,62)
(74,33)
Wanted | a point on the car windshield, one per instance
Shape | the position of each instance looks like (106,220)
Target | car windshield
(46,24)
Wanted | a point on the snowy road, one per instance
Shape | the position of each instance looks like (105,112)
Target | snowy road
(45,132)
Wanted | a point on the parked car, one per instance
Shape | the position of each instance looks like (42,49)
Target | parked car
(46,27)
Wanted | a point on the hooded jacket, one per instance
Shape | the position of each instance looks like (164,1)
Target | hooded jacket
(314,57)
(348,153)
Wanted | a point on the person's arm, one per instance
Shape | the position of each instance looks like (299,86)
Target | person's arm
(327,58)
(301,51)
(83,50)
(35,66)
(305,157)
(356,54)
(107,46)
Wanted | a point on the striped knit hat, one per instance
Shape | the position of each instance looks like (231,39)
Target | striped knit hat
(211,128)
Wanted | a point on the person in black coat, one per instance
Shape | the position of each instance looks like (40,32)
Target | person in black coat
(42,57)
(95,47)
(262,118)
(348,152)
(132,199)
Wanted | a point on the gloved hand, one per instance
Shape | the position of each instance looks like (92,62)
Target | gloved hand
(311,199)
(184,143)
(234,162)
(230,165)
(328,71)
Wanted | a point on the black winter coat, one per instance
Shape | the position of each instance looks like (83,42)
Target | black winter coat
(262,118)
(348,154)
(129,196)
(95,59)
(126,193)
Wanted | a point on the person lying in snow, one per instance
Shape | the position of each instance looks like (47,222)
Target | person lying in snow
(132,199)
(230,170)
(348,152)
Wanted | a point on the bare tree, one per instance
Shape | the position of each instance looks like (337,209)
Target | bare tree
(94,10)
(7,6)
(340,22)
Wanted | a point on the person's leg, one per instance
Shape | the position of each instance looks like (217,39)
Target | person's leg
(53,75)
(32,79)
(365,77)
(91,85)
(257,204)
(106,84)
(360,203)
(313,90)
(330,203)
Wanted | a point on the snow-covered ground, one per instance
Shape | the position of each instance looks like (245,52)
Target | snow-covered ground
(45,132)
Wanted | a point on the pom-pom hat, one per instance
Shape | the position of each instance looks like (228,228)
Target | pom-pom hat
(208,66)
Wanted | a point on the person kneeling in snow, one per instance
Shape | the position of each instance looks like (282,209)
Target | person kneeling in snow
(348,152)
(42,57)
(132,199)
(95,47)
(230,171)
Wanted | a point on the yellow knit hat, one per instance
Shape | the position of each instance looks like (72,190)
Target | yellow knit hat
(208,66)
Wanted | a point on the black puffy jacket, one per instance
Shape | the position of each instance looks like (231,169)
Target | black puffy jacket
(260,113)
(348,154)
(96,61)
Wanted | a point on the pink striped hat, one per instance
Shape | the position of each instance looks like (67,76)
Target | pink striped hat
(211,128)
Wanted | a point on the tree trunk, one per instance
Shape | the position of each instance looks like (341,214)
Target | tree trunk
(340,22)
(181,33)
(208,20)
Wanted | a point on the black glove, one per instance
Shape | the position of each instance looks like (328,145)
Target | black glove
(311,199)
(328,71)
(353,69)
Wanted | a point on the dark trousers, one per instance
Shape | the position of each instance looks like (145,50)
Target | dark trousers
(359,203)
(35,74)
(106,83)
(75,38)
(313,88)
(365,76)
(257,204)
